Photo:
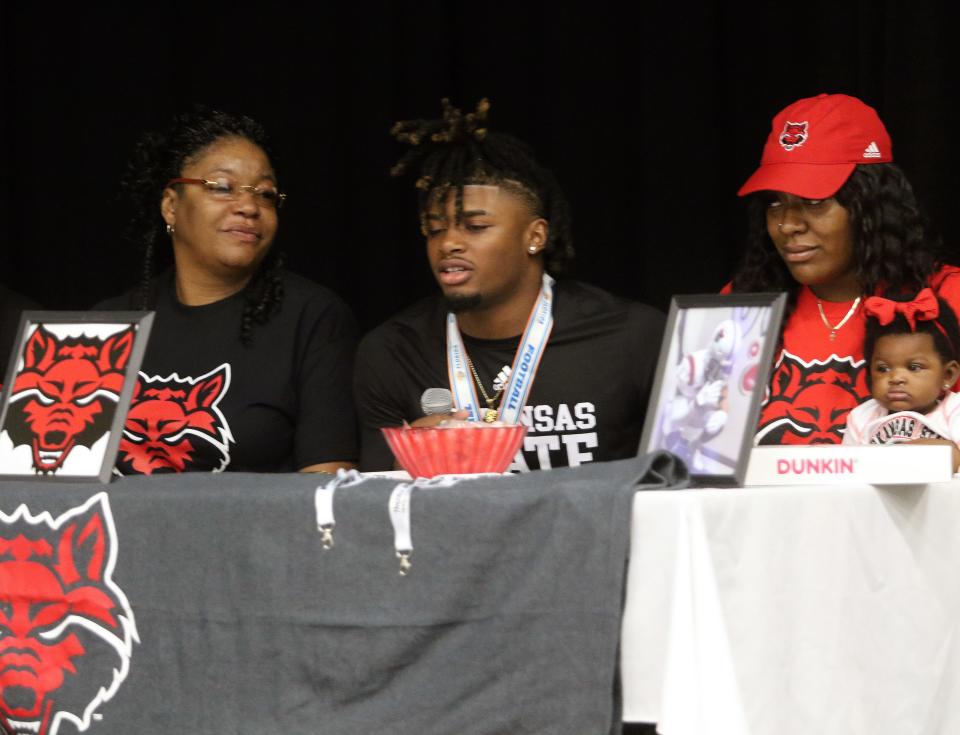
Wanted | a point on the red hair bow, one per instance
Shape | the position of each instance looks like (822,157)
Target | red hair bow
(923,308)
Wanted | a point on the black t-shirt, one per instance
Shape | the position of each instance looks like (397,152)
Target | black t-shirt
(588,399)
(206,402)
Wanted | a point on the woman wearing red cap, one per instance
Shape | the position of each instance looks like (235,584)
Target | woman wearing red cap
(833,220)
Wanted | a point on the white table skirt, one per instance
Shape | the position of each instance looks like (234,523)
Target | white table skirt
(829,610)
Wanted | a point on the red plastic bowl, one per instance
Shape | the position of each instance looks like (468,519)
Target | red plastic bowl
(428,452)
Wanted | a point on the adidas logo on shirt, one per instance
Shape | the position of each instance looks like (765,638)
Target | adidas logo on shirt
(871,151)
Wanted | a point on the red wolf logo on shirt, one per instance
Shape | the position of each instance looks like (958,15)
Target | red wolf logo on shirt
(175,424)
(66,628)
(66,393)
(809,401)
(794,135)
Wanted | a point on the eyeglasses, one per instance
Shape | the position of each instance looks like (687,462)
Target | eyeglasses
(228,191)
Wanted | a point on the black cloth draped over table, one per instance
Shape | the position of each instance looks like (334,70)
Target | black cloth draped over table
(206,602)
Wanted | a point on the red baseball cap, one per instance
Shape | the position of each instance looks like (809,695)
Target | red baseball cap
(815,144)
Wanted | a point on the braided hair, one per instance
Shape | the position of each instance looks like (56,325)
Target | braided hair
(458,150)
(161,156)
(894,248)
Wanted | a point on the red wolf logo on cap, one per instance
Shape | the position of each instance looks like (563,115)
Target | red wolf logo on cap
(66,628)
(175,424)
(66,393)
(809,401)
(794,135)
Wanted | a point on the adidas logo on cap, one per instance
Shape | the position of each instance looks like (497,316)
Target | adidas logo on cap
(871,151)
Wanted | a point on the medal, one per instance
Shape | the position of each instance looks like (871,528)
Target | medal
(490,415)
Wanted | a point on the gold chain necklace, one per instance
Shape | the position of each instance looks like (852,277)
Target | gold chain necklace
(490,415)
(833,329)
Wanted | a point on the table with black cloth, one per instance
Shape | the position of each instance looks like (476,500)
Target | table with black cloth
(508,622)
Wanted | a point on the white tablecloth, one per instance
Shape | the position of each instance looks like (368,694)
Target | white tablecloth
(830,610)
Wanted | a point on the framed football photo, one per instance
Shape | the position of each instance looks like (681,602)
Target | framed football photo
(711,377)
(67,390)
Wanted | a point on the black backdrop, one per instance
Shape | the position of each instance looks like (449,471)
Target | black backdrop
(650,116)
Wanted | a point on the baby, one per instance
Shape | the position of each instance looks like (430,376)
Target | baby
(912,363)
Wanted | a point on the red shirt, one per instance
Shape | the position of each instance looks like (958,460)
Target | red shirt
(816,381)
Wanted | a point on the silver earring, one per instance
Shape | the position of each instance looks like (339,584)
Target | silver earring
(780,226)
(170,229)
(532,249)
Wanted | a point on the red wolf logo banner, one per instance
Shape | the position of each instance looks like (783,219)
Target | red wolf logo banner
(175,424)
(809,401)
(794,135)
(66,628)
(66,393)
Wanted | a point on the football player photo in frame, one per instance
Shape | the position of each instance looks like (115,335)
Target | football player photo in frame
(710,382)
(67,391)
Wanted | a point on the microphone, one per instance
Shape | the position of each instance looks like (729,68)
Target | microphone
(436,400)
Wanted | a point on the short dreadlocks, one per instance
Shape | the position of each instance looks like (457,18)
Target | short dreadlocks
(458,150)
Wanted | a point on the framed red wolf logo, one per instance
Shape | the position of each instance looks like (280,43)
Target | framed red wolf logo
(66,628)
(68,390)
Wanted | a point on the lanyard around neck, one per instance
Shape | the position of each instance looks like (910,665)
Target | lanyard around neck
(525,362)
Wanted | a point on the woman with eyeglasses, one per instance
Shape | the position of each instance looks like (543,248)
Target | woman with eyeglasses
(833,220)
(248,366)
